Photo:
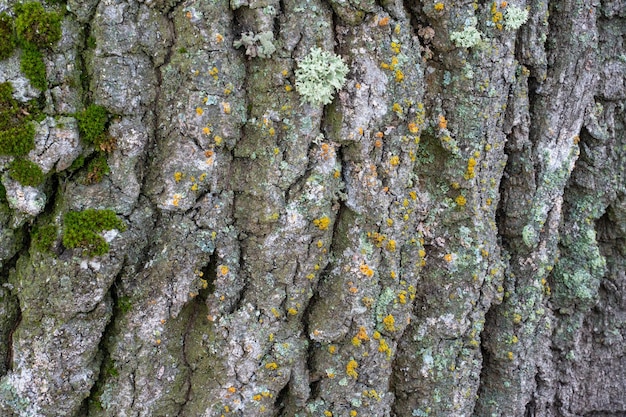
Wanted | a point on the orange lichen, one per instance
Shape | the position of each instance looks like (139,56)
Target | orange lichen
(448,257)
(366,270)
(443,123)
(383,21)
(219,38)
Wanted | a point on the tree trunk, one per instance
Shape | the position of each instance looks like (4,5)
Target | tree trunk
(446,238)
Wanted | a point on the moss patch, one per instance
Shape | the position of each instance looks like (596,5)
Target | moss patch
(26,172)
(92,123)
(7,36)
(33,67)
(36,26)
(97,169)
(81,229)
(43,237)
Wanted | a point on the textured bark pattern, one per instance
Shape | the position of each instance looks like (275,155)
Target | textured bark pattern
(447,238)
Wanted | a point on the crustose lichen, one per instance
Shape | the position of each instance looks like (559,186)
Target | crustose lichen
(319,74)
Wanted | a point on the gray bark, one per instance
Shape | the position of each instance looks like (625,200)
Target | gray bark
(446,238)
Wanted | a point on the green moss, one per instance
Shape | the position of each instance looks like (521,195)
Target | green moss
(81,229)
(43,237)
(97,169)
(36,26)
(33,67)
(77,164)
(17,141)
(92,123)
(26,172)
(124,304)
(7,36)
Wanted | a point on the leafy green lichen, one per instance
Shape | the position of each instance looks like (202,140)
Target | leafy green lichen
(26,172)
(319,75)
(515,17)
(81,229)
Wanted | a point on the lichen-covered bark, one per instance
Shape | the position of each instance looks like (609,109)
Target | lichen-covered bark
(446,238)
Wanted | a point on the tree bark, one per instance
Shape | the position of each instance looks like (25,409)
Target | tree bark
(446,238)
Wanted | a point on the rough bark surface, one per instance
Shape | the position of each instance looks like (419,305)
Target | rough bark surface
(446,238)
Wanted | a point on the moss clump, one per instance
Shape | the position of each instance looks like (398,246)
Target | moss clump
(7,36)
(33,67)
(91,123)
(77,164)
(36,26)
(43,237)
(17,135)
(26,172)
(97,169)
(81,229)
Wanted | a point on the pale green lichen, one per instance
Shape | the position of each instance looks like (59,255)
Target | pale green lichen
(515,17)
(468,37)
(319,74)
(261,44)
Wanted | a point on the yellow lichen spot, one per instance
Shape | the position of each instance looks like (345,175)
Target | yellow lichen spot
(399,76)
(395,47)
(199,111)
(439,6)
(384,65)
(414,128)
(390,323)
(337,173)
(391,245)
(393,274)
(213,72)
(389,222)
(288,88)
(517,318)
(443,123)
(226,107)
(413,195)
(510,355)
(366,270)
(488,147)
(471,166)
(402,297)
(310,276)
(232,390)
(223,269)
(322,223)
(194,187)
(219,38)
(275,312)
(383,347)
(292,311)
(272,131)
(376,335)
(206,130)
(397,108)
(448,257)
(271,337)
(353,413)
(360,130)
(218,140)
(332,349)
(460,201)
(514,339)
(176,199)
(394,160)
(488,201)
(272,366)
(257,397)
(178,176)
(351,369)
(328,414)
(356,342)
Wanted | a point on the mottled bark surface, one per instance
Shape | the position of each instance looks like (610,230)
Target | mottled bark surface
(446,238)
